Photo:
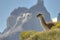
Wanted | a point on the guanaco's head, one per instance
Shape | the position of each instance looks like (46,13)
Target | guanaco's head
(39,15)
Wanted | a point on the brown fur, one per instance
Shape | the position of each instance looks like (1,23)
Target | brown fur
(48,25)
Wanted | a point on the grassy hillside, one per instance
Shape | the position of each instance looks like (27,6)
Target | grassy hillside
(53,34)
(50,35)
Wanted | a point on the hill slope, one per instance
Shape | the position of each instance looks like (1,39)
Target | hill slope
(50,35)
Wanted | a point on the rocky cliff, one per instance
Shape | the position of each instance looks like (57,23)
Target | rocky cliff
(58,18)
(23,19)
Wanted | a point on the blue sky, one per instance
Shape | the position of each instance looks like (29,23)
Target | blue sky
(7,6)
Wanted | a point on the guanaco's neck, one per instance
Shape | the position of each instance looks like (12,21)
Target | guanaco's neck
(43,23)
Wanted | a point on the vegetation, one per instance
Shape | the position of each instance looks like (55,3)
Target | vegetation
(25,35)
(53,34)
(57,25)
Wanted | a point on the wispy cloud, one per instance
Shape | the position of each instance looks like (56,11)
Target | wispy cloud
(54,19)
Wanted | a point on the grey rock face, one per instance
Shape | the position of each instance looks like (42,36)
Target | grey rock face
(19,10)
(14,36)
(58,19)
(0,32)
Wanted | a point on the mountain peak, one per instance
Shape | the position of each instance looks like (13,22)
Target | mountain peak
(40,2)
(24,19)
